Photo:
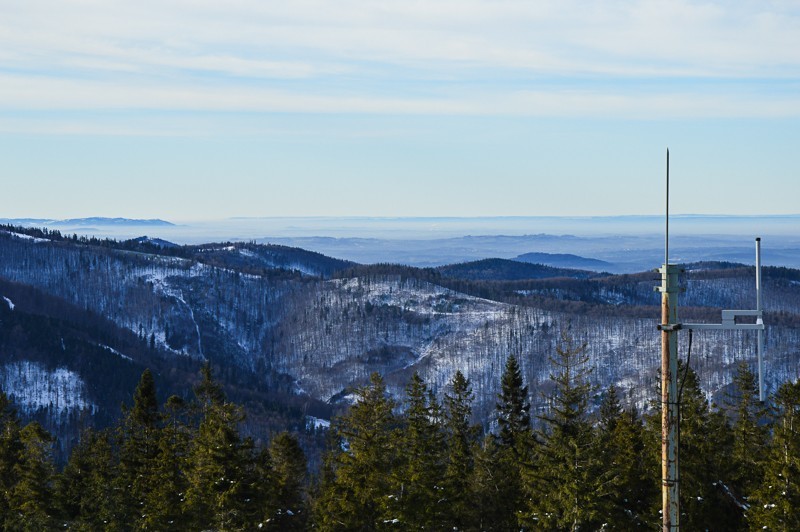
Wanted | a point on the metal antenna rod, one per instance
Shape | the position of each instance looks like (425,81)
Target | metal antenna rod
(666,232)
(759,320)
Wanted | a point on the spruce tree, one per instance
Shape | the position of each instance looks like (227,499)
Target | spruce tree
(500,479)
(461,438)
(31,498)
(569,487)
(220,466)
(513,408)
(495,484)
(357,487)
(87,495)
(775,504)
(421,468)
(139,447)
(629,490)
(287,477)
(749,434)
(10,453)
(168,480)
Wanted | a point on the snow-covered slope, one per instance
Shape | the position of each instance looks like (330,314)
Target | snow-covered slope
(33,387)
(329,335)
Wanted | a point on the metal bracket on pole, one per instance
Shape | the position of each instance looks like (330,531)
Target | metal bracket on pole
(729,322)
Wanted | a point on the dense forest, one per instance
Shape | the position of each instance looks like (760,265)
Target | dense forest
(420,465)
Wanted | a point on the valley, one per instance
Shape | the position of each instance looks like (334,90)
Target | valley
(292,334)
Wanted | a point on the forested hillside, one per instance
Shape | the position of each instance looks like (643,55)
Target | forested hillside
(292,334)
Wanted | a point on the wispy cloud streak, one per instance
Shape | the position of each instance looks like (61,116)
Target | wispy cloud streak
(639,59)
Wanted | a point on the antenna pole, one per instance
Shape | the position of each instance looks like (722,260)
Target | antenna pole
(759,320)
(670,510)
(666,217)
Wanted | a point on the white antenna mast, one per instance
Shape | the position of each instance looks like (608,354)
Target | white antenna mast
(669,328)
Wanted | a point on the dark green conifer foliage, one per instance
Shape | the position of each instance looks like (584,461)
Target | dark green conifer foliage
(630,490)
(775,504)
(31,498)
(140,435)
(219,465)
(749,434)
(569,487)
(10,453)
(706,446)
(164,501)
(496,488)
(502,462)
(85,490)
(421,469)
(286,475)
(461,438)
(357,486)
(513,408)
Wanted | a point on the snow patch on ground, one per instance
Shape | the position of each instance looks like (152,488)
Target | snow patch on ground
(112,350)
(26,237)
(32,386)
(317,423)
(10,303)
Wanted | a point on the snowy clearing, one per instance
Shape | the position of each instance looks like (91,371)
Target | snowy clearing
(317,423)
(33,386)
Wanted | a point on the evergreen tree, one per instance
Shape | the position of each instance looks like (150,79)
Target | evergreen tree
(139,447)
(496,487)
(422,465)
(775,505)
(220,468)
(461,438)
(163,501)
(514,407)
(287,478)
(30,500)
(357,486)
(10,453)
(499,479)
(630,491)
(86,492)
(749,435)
(706,446)
(569,487)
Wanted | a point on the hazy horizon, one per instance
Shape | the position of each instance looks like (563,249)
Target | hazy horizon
(397,108)
(631,243)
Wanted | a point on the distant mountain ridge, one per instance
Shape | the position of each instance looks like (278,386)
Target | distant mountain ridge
(565,260)
(88,222)
(508,270)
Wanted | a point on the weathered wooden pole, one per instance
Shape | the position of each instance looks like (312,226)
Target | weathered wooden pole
(670,507)
(670,478)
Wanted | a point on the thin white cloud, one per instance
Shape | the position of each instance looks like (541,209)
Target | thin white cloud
(42,93)
(403,56)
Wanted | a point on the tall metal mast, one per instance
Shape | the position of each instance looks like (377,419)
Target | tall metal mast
(670,508)
(670,471)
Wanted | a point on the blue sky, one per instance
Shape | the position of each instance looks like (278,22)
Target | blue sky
(195,110)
